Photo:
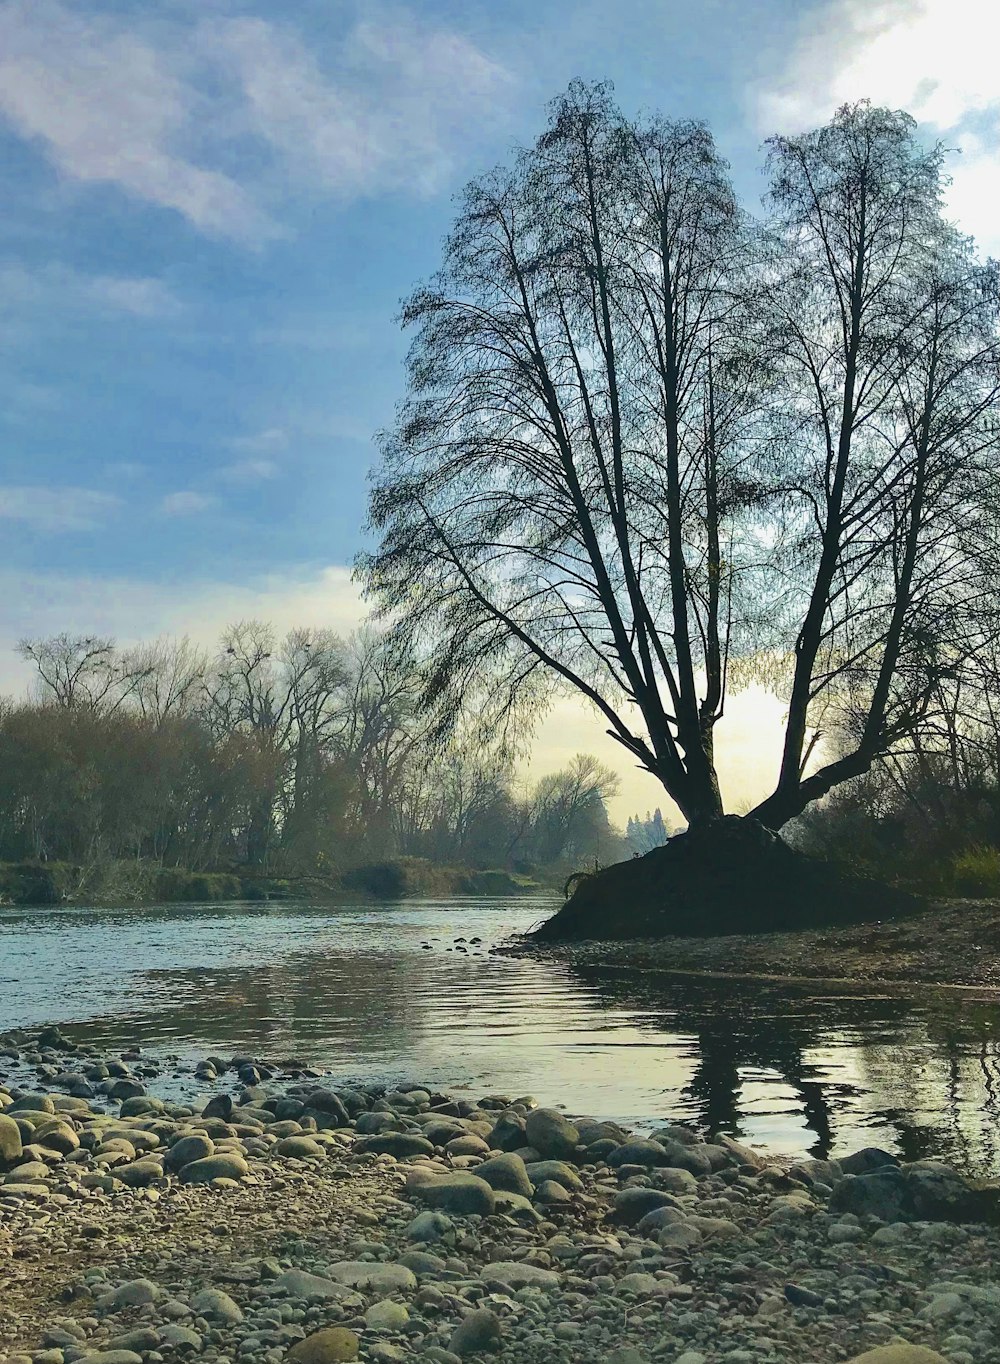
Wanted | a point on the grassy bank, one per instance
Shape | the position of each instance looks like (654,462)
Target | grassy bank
(122,883)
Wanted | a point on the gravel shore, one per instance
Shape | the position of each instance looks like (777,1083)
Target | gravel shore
(297,1218)
(952,942)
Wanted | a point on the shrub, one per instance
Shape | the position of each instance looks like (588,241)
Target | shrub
(977,872)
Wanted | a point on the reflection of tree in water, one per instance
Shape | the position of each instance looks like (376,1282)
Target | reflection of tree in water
(945,1103)
(930,1074)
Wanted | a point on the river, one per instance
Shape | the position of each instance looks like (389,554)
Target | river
(386,992)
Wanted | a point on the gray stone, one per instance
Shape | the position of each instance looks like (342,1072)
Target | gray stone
(459,1193)
(380,1278)
(631,1205)
(507,1172)
(478,1333)
(222,1165)
(188,1149)
(515,1274)
(215,1305)
(551,1133)
(298,1284)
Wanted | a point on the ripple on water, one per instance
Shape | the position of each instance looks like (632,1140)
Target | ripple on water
(353,987)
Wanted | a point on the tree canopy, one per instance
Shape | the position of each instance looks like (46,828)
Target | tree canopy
(652,446)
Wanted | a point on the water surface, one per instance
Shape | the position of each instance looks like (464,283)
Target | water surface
(384,992)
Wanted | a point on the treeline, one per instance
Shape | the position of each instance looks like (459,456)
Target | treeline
(304,756)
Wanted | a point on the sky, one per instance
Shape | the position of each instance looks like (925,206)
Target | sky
(212,210)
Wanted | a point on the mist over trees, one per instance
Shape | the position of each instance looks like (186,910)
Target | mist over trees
(653,448)
(305,755)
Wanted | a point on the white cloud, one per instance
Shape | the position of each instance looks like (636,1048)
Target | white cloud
(163,109)
(250,471)
(53,288)
(270,441)
(108,108)
(56,509)
(141,297)
(935,58)
(386,112)
(186,503)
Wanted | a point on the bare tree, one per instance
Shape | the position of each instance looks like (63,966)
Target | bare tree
(644,440)
(84,672)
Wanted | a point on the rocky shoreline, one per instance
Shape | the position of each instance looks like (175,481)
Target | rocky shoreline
(950,943)
(298,1218)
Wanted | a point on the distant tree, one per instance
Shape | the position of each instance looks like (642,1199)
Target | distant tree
(642,835)
(82,671)
(649,450)
(569,816)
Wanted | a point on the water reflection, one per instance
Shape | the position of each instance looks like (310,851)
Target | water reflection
(792,1067)
(921,1075)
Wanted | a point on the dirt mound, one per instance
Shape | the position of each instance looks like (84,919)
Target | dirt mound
(732,876)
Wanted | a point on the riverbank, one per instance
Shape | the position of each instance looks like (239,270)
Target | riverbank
(317,1221)
(952,942)
(136,883)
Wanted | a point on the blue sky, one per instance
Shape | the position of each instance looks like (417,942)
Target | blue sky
(212,210)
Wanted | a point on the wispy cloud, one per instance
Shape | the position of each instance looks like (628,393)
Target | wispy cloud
(269,441)
(186,503)
(249,470)
(161,108)
(109,107)
(54,288)
(935,58)
(56,509)
(386,111)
